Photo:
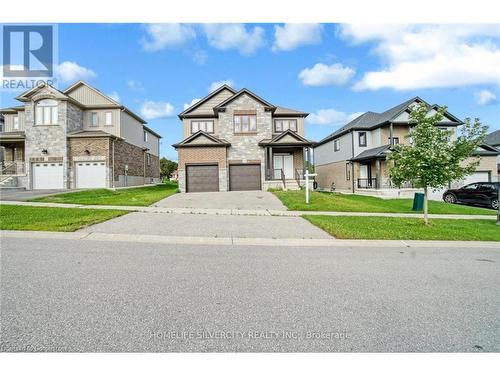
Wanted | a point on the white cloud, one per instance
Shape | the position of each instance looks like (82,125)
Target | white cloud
(70,71)
(194,101)
(485,97)
(323,75)
(135,86)
(293,35)
(216,84)
(115,96)
(331,117)
(200,57)
(429,56)
(152,110)
(166,35)
(234,36)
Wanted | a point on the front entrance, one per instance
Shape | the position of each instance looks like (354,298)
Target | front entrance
(48,175)
(244,177)
(283,162)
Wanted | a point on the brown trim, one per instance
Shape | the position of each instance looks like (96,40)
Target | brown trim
(249,133)
(249,112)
(202,145)
(235,162)
(283,119)
(191,126)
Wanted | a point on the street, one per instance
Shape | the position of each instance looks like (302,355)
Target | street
(70,295)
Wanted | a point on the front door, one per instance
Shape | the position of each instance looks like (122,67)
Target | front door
(284,162)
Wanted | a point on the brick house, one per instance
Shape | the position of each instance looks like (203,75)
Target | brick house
(235,140)
(76,138)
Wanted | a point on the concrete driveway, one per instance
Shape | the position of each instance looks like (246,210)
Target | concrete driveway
(23,195)
(238,200)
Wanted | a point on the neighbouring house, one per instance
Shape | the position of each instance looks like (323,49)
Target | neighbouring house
(174,176)
(235,140)
(76,138)
(2,122)
(354,158)
(493,139)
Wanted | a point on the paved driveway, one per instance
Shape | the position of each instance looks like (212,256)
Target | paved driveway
(22,195)
(210,226)
(66,295)
(238,200)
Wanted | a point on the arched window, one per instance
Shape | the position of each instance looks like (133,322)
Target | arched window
(46,112)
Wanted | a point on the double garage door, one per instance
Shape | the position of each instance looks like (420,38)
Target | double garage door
(201,178)
(87,175)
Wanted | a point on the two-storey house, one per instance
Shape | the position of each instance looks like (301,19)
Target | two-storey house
(235,140)
(493,139)
(76,138)
(354,158)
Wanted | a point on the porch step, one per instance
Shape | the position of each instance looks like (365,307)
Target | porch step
(8,181)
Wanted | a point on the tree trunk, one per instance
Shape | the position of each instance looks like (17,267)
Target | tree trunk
(426,206)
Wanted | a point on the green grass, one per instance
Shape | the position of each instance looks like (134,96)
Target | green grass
(295,200)
(395,228)
(52,218)
(142,196)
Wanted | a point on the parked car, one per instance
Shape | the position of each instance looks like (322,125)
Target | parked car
(477,193)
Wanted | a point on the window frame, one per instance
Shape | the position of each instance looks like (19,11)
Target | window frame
(148,159)
(94,115)
(393,143)
(348,171)
(336,145)
(241,123)
(110,118)
(145,135)
(282,121)
(364,144)
(15,122)
(199,122)
(46,114)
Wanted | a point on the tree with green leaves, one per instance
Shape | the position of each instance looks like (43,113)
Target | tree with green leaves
(434,157)
(167,167)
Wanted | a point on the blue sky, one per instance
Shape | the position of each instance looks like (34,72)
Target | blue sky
(330,71)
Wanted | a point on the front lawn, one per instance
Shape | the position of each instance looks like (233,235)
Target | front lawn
(52,218)
(141,196)
(295,200)
(395,228)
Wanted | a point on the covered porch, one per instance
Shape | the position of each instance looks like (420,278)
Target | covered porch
(286,157)
(13,153)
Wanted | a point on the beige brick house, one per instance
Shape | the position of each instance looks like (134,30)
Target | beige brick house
(353,158)
(235,140)
(76,138)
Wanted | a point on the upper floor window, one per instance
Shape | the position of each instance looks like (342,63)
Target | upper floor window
(109,118)
(284,125)
(94,119)
(145,135)
(15,125)
(206,126)
(46,112)
(336,145)
(395,141)
(245,123)
(362,139)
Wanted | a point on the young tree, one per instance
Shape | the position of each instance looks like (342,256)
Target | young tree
(434,158)
(167,167)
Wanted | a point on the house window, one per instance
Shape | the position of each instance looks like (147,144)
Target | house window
(206,126)
(148,159)
(16,122)
(245,123)
(284,125)
(145,136)
(362,139)
(395,140)
(94,119)
(347,171)
(46,112)
(336,145)
(109,118)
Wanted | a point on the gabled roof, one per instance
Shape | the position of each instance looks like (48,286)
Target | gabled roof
(486,150)
(298,140)
(241,92)
(284,112)
(210,141)
(90,134)
(208,97)
(77,84)
(493,139)
(373,153)
(25,96)
(373,120)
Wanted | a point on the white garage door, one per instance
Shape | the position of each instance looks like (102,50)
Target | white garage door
(90,174)
(48,176)
(477,177)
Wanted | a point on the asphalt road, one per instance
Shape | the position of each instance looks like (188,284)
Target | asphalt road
(66,295)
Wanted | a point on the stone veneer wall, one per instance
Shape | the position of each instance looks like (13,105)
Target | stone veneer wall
(197,155)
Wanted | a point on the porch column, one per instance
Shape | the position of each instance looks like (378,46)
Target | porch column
(269,171)
(378,176)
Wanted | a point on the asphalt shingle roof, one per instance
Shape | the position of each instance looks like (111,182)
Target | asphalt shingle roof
(493,139)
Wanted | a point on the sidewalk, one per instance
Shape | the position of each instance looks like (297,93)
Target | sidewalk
(213,211)
(236,241)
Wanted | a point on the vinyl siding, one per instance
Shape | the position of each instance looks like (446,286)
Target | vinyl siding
(87,96)
(325,154)
(101,115)
(9,122)
(207,107)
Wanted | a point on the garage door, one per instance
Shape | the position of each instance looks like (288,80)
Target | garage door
(244,177)
(477,177)
(47,176)
(202,178)
(90,174)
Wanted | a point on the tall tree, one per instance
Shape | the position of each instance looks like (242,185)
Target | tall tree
(434,157)
(167,167)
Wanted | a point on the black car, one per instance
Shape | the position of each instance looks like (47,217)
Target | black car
(478,193)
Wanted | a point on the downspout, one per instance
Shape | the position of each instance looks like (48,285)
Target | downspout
(352,163)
